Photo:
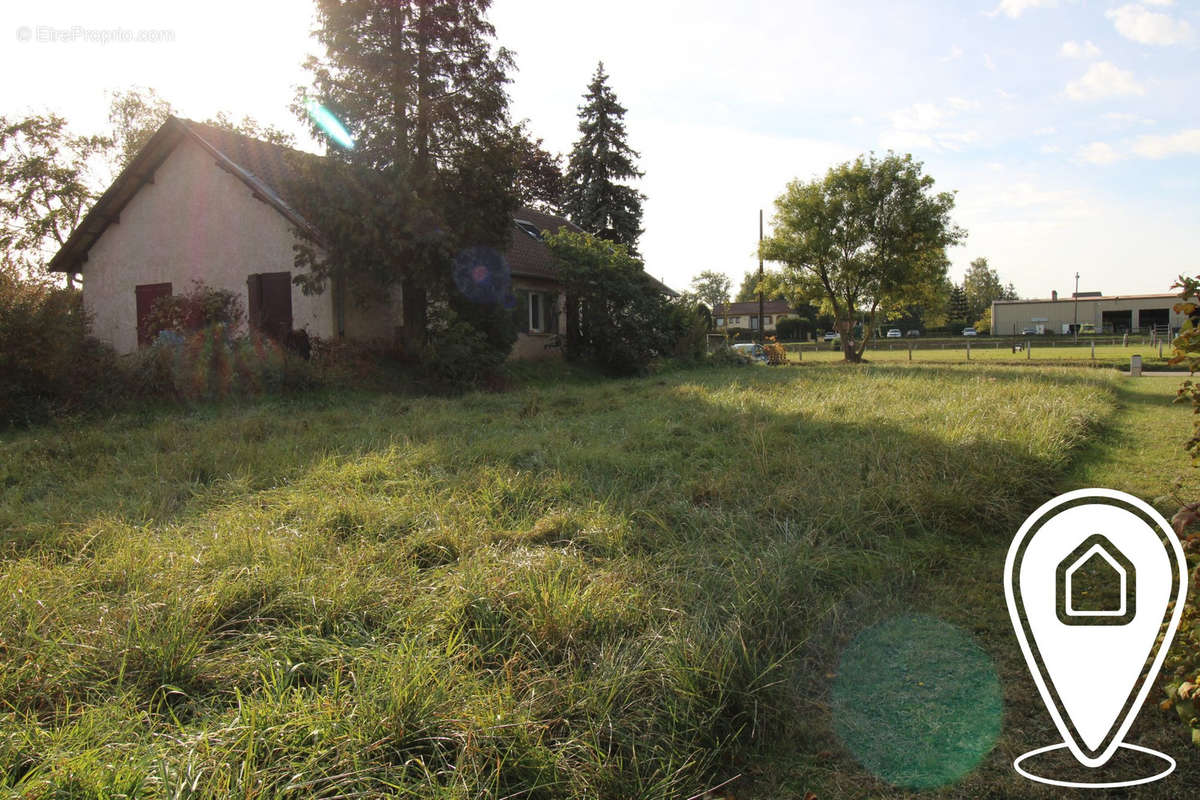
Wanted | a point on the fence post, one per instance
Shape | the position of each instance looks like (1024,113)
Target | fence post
(910,352)
(1093,351)
(968,350)
(1027,349)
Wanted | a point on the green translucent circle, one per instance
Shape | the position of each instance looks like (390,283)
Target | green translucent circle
(917,702)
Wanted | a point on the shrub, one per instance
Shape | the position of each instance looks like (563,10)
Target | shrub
(459,354)
(1183,687)
(623,320)
(195,310)
(48,363)
(791,329)
(688,324)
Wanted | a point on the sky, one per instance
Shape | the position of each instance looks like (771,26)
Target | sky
(1068,129)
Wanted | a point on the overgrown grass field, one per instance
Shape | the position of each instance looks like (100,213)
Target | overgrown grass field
(582,589)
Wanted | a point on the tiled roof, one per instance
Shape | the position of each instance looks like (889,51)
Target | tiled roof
(269,170)
(738,309)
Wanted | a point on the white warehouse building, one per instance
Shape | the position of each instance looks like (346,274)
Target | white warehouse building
(1094,311)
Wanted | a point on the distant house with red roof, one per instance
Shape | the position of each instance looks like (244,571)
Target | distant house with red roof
(745,315)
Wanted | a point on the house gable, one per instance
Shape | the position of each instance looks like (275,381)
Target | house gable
(197,221)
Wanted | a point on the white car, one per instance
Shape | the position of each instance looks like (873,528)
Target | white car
(750,350)
(894,333)
(832,336)
(970,332)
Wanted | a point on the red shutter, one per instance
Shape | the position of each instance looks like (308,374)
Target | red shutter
(145,295)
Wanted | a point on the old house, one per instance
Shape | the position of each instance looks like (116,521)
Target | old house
(199,203)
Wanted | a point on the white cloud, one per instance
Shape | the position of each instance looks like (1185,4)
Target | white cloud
(857,120)
(906,140)
(1049,148)
(987,62)
(1149,27)
(1182,143)
(1076,50)
(1123,118)
(1046,131)
(918,117)
(1014,8)
(924,126)
(955,53)
(956,140)
(1104,79)
(1159,2)
(1098,153)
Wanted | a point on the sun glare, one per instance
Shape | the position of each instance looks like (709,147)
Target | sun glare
(327,122)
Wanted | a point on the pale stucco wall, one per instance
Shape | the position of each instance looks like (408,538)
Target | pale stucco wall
(195,222)
(533,345)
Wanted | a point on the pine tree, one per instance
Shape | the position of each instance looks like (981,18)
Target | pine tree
(418,85)
(960,307)
(597,199)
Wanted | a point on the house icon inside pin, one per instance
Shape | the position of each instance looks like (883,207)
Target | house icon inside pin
(1095,585)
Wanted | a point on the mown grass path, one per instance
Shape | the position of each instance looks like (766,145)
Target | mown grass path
(1138,450)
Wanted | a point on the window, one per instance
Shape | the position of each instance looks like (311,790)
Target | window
(145,295)
(537,314)
(529,228)
(754,323)
(719,322)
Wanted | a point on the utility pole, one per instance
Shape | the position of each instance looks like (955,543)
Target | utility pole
(762,336)
(1076,327)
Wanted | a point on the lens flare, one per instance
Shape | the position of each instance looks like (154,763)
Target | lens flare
(327,122)
(917,701)
(482,275)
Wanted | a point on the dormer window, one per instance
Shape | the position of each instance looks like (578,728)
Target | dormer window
(529,228)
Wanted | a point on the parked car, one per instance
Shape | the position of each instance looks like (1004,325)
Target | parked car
(970,332)
(1029,332)
(750,350)
(913,332)
(894,333)
(832,336)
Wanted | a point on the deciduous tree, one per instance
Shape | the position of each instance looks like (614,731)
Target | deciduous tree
(711,288)
(871,234)
(44,187)
(540,183)
(620,318)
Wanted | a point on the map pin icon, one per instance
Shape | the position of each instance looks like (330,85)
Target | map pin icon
(1092,577)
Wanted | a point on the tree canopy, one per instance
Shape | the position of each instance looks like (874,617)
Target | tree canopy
(617,316)
(540,184)
(44,187)
(870,234)
(982,286)
(711,288)
(598,199)
(422,90)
